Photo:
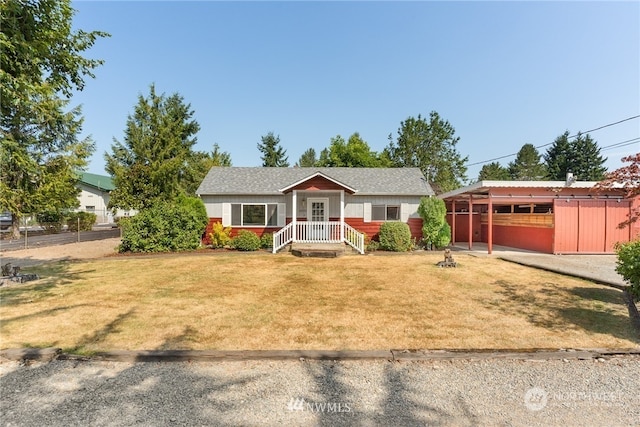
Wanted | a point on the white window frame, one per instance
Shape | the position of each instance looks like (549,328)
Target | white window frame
(386,212)
(266,213)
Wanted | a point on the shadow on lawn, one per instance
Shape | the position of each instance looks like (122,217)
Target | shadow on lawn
(558,309)
(51,277)
(101,334)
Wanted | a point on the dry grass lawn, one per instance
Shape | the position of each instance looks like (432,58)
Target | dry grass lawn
(263,301)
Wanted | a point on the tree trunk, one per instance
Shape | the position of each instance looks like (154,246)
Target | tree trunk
(15,227)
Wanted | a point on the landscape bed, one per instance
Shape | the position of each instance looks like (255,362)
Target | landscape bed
(261,301)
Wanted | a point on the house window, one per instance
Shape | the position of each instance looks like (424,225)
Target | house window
(254,215)
(385,213)
(90,208)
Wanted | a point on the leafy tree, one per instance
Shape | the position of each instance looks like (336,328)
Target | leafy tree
(626,179)
(527,165)
(628,255)
(354,153)
(273,155)
(431,146)
(433,212)
(200,164)
(155,161)
(494,172)
(580,156)
(41,64)
(308,159)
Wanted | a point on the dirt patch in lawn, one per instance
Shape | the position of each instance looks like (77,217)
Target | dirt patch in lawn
(68,252)
(264,301)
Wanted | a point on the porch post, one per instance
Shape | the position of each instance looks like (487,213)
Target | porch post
(490,226)
(294,213)
(342,215)
(470,221)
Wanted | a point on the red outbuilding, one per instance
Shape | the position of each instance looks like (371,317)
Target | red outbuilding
(560,217)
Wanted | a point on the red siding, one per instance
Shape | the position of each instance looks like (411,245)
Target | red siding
(565,220)
(591,225)
(537,239)
(617,212)
(371,229)
(462,227)
(318,183)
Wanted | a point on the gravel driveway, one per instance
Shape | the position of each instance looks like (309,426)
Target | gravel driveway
(310,393)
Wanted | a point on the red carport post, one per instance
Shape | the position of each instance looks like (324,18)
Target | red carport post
(470,221)
(490,226)
(453,221)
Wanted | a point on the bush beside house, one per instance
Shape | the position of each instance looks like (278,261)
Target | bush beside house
(395,236)
(166,227)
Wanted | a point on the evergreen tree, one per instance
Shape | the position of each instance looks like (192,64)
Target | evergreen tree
(155,160)
(494,172)
(41,64)
(431,146)
(589,164)
(527,165)
(308,159)
(580,156)
(273,155)
(558,158)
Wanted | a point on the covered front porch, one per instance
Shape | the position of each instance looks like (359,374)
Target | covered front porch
(317,215)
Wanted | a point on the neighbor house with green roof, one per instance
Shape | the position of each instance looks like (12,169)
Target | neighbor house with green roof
(95,191)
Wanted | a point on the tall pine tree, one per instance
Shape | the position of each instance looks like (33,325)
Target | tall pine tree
(580,155)
(155,159)
(273,155)
(527,165)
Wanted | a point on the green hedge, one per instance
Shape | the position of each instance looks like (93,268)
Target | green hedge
(166,227)
(246,241)
(87,219)
(50,221)
(395,236)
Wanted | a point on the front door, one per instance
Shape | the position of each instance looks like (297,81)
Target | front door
(318,214)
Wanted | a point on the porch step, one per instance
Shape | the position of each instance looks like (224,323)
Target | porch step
(318,250)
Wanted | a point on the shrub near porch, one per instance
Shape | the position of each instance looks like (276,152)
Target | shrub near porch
(264,301)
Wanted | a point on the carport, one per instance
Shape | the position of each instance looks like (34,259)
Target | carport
(560,217)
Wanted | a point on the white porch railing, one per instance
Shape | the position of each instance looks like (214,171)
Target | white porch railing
(282,237)
(354,238)
(318,232)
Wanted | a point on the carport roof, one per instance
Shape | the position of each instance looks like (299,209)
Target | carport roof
(483,187)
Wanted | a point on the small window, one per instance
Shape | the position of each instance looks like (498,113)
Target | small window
(89,208)
(385,213)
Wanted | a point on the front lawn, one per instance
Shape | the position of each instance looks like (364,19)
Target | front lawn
(263,301)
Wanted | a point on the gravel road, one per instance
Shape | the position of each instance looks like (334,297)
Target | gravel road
(317,393)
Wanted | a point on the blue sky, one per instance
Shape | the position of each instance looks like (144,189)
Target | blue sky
(502,73)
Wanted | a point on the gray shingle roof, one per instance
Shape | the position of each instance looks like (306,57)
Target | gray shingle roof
(252,180)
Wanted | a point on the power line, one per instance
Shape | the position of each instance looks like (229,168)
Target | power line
(621,144)
(572,136)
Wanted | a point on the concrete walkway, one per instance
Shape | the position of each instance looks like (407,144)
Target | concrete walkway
(597,268)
